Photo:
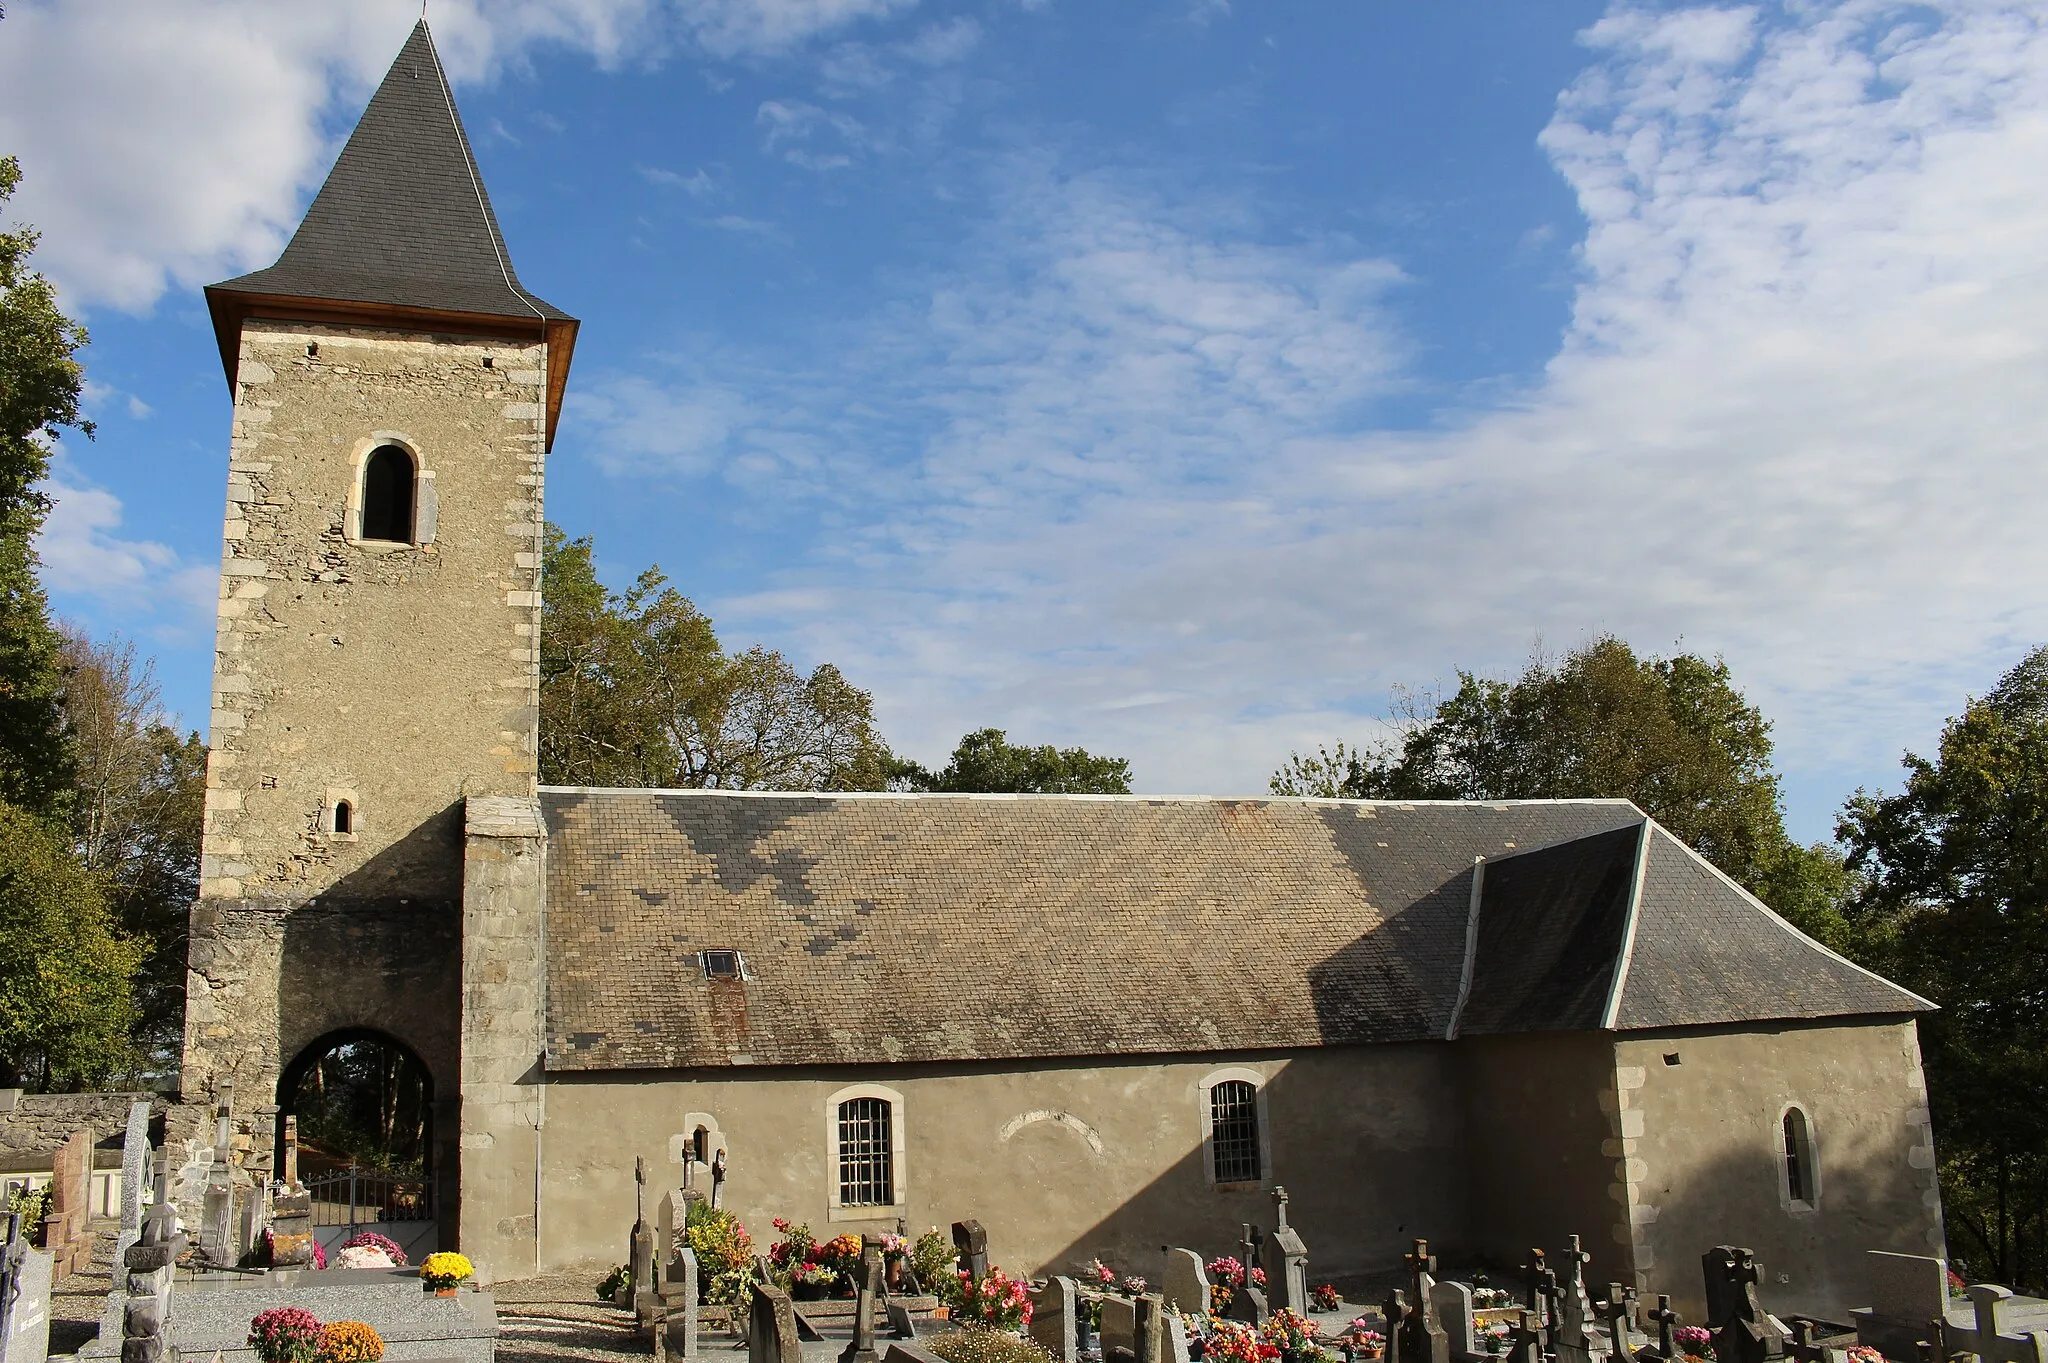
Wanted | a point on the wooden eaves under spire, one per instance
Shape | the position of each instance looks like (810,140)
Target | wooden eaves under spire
(401,236)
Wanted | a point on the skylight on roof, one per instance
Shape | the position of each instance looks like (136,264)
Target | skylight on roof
(723,965)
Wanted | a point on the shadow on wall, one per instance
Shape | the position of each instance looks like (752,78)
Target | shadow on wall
(1815,1258)
(381,951)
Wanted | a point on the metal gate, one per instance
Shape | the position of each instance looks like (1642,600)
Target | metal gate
(356,1197)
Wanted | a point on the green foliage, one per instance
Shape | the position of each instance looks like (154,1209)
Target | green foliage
(937,1265)
(724,1250)
(637,691)
(65,971)
(32,1205)
(40,383)
(979,1344)
(1672,734)
(135,815)
(986,762)
(1952,901)
(617,1285)
(365,1102)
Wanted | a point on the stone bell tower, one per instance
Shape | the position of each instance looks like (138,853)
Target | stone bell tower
(376,663)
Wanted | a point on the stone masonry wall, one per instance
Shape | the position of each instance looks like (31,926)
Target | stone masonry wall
(401,678)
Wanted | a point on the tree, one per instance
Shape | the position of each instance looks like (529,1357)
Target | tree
(986,762)
(136,812)
(636,691)
(40,383)
(1672,734)
(1953,903)
(65,971)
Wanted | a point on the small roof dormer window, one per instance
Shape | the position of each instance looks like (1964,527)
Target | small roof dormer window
(723,965)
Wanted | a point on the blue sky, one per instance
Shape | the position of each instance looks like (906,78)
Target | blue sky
(1172,377)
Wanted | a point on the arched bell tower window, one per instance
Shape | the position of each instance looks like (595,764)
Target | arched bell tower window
(1800,1188)
(388,478)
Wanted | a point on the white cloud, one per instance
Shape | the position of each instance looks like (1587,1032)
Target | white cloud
(805,135)
(83,555)
(168,145)
(1795,419)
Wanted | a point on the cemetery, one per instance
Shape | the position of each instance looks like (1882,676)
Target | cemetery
(599,1033)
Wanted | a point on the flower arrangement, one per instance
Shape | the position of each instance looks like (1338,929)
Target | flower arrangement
(724,1250)
(1226,1276)
(1295,1335)
(1956,1286)
(1326,1297)
(285,1334)
(444,1270)
(933,1258)
(1494,1338)
(1365,1340)
(1102,1273)
(1486,1298)
(996,1300)
(841,1252)
(979,1344)
(1692,1340)
(796,1247)
(350,1341)
(369,1239)
(815,1275)
(1863,1353)
(617,1285)
(1231,1341)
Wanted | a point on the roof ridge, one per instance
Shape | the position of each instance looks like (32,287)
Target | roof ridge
(1139,798)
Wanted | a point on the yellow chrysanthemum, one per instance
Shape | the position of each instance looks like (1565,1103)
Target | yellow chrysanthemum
(350,1341)
(447,1266)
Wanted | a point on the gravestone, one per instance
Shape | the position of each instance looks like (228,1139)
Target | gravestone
(1572,1336)
(146,1316)
(64,1226)
(291,1230)
(1286,1261)
(1615,1312)
(771,1327)
(24,1298)
(867,1290)
(1185,1282)
(1053,1319)
(903,1325)
(718,1179)
(1176,1338)
(1743,1331)
(1423,1339)
(679,1300)
(1668,1321)
(1151,1328)
(217,1206)
(1119,1329)
(972,1243)
(1451,1304)
(1525,1339)
(290,1172)
(1248,1303)
(1907,1292)
(1398,1315)
(1539,1279)
(135,1176)
(671,1218)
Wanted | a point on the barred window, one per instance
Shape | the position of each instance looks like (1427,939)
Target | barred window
(866,1153)
(1234,1131)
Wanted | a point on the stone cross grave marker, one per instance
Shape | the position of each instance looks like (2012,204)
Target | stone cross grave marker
(640,1250)
(1451,1306)
(867,1291)
(1425,1340)
(1286,1261)
(1614,1312)
(671,1220)
(1185,1282)
(1536,1273)
(1248,1303)
(771,1327)
(1667,1321)
(1397,1311)
(1525,1339)
(290,1172)
(1745,1333)
(972,1243)
(1572,1339)
(1053,1312)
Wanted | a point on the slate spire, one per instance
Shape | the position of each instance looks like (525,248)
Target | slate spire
(402,231)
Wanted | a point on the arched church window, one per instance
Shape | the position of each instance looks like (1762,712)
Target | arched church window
(1802,1169)
(344,817)
(388,479)
(867,1141)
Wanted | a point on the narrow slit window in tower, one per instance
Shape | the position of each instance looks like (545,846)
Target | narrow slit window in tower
(387,495)
(1798,1156)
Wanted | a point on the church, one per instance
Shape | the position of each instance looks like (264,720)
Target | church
(1098,1025)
